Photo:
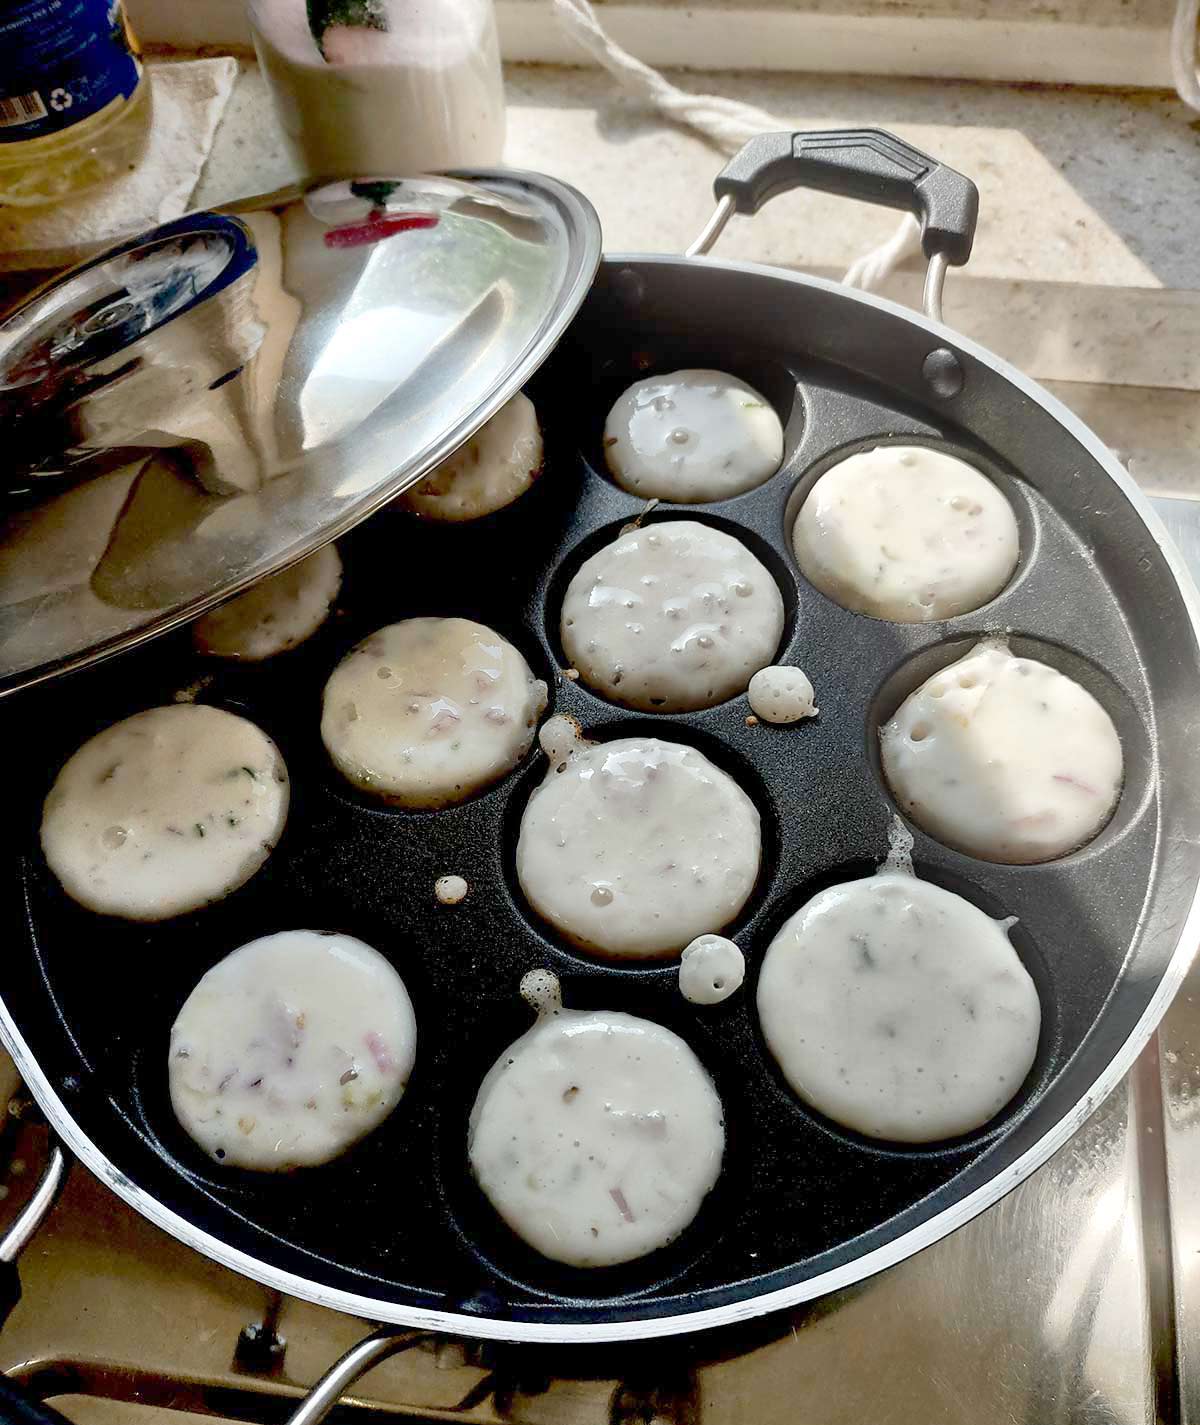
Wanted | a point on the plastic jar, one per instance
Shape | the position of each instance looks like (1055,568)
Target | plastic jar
(383,87)
(74,100)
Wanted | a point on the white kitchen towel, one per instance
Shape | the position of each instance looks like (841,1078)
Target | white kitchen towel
(189,99)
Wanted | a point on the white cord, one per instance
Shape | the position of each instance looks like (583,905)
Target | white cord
(1185,70)
(873,268)
(729,124)
(725,121)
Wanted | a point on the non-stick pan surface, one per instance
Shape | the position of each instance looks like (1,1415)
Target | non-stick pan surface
(396,1230)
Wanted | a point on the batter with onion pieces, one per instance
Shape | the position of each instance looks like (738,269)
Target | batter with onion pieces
(596,1135)
(1004,758)
(290,1049)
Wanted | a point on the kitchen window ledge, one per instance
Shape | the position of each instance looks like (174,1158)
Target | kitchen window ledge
(1121,43)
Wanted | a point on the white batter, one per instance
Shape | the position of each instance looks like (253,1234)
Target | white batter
(276,614)
(692,436)
(496,466)
(1004,758)
(165,812)
(781,694)
(671,617)
(291,1049)
(425,712)
(633,848)
(906,533)
(711,969)
(451,890)
(898,1009)
(596,1136)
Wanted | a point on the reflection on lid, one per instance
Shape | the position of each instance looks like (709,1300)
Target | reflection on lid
(234,391)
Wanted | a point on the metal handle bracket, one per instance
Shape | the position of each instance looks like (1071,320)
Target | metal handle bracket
(867,164)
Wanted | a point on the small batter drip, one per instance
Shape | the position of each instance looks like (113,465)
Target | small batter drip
(712,968)
(781,695)
(450,890)
(560,738)
(636,523)
(191,691)
(899,860)
(541,991)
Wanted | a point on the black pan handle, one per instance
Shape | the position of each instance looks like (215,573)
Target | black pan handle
(867,164)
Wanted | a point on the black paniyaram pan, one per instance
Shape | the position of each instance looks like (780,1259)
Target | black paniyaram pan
(396,1231)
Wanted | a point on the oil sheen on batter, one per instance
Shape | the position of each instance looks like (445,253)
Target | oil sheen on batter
(291,1049)
(1004,758)
(671,617)
(898,1009)
(692,436)
(596,1136)
(633,848)
(495,467)
(165,811)
(906,533)
(428,711)
(276,614)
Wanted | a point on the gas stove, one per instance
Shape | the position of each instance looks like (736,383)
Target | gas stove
(1075,1299)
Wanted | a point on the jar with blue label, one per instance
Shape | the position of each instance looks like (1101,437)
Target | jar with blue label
(74,99)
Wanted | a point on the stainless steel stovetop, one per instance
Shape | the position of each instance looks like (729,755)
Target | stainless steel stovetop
(1075,1299)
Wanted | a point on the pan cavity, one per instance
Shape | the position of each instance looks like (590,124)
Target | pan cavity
(692,436)
(634,847)
(429,711)
(906,533)
(671,617)
(1004,758)
(291,1049)
(596,1135)
(899,1009)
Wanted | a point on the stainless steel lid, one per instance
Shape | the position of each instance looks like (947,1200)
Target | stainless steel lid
(206,404)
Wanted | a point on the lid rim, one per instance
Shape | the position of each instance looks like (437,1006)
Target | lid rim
(569,249)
